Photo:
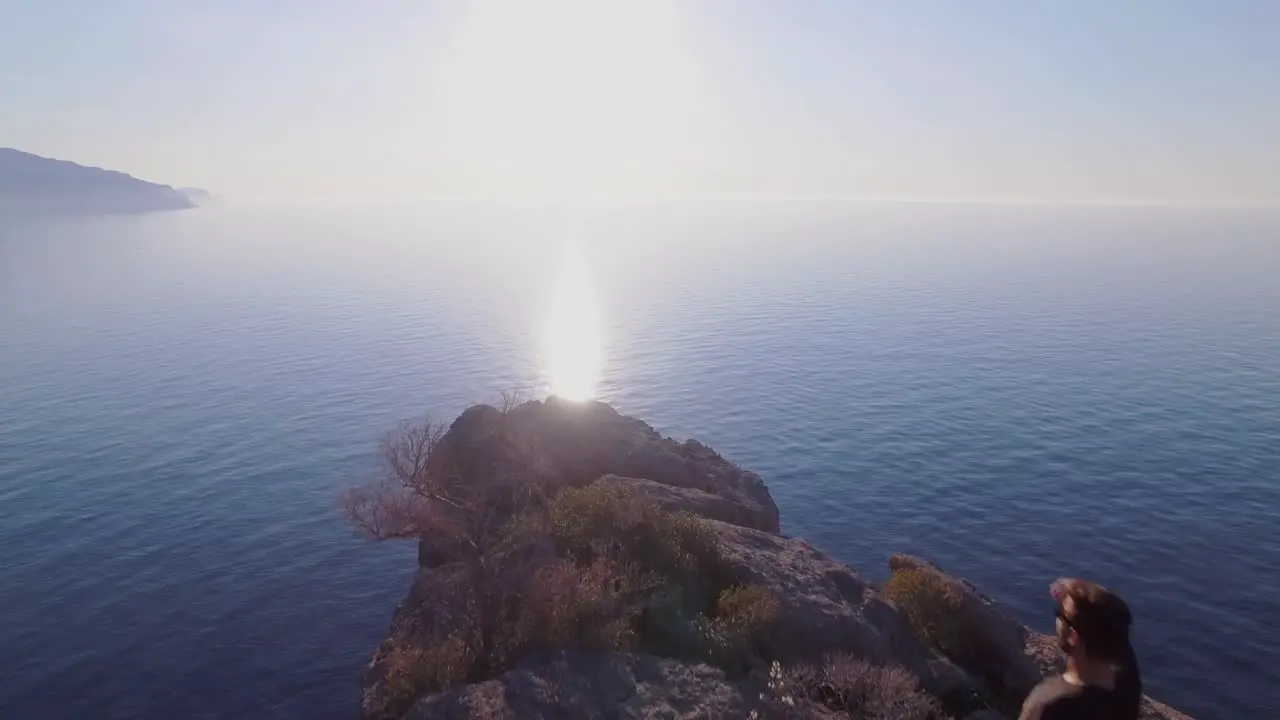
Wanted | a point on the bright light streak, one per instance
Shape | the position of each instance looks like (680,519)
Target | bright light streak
(574,330)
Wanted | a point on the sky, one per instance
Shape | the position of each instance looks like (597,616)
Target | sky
(318,100)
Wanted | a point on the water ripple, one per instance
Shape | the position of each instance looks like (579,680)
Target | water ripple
(1018,395)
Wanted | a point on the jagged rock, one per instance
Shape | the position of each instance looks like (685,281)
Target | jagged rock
(1014,658)
(593,685)
(827,608)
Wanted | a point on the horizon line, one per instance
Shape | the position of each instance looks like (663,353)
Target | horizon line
(838,198)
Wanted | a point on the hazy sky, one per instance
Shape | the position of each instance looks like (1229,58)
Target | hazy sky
(315,99)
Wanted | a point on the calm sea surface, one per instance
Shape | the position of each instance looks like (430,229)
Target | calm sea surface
(1016,393)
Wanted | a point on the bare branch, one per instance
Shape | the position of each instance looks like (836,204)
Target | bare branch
(407,452)
(380,511)
(511,399)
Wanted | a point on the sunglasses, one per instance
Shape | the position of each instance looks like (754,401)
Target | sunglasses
(1062,615)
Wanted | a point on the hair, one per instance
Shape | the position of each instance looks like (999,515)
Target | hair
(1100,618)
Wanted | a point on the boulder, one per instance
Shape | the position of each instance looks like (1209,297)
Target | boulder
(577,684)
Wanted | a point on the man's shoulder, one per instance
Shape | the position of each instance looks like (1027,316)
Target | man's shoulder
(1057,699)
(1053,688)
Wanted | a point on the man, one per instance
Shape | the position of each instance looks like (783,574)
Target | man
(1101,681)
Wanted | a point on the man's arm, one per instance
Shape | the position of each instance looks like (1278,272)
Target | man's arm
(1041,701)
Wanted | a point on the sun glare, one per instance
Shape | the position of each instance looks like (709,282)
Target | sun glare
(573,333)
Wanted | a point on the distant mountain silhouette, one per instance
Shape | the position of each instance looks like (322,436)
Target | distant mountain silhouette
(30,184)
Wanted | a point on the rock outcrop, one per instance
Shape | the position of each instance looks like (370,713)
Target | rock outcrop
(823,607)
(571,444)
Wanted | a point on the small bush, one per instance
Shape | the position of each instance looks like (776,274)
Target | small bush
(732,637)
(411,670)
(932,607)
(749,608)
(844,683)
(588,607)
(610,522)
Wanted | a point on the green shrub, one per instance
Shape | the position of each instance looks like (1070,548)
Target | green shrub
(413,670)
(610,522)
(932,607)
(749,608)
(732,638)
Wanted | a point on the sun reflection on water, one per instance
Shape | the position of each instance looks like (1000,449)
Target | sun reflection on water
(574,329)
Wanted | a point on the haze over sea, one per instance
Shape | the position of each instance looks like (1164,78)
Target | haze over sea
(1018,393)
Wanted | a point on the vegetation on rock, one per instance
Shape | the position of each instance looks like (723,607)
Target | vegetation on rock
(931,606)
(573,561)
(592,568)
(849,686)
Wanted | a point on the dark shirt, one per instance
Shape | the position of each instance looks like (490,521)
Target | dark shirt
(1057,699)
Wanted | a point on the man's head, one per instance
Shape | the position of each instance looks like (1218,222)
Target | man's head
(1092,622)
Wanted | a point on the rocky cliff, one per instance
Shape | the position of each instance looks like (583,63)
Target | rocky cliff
(574,563)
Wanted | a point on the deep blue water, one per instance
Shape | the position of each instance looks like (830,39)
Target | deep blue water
(1017,393)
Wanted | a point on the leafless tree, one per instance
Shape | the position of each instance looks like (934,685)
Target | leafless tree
(419,492)
(464,511)
(401,501)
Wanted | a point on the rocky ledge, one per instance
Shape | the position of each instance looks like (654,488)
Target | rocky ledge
(574,563)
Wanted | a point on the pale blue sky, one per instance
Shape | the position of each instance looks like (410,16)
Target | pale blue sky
(318,99)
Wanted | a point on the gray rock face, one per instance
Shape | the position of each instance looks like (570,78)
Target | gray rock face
(593,685)
(1016,658)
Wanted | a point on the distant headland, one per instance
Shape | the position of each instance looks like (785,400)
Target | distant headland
(30,184)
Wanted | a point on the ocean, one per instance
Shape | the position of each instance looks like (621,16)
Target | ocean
(1017,393)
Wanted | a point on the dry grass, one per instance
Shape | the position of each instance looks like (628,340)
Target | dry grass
(849,685)
(411,671)
(587,607)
